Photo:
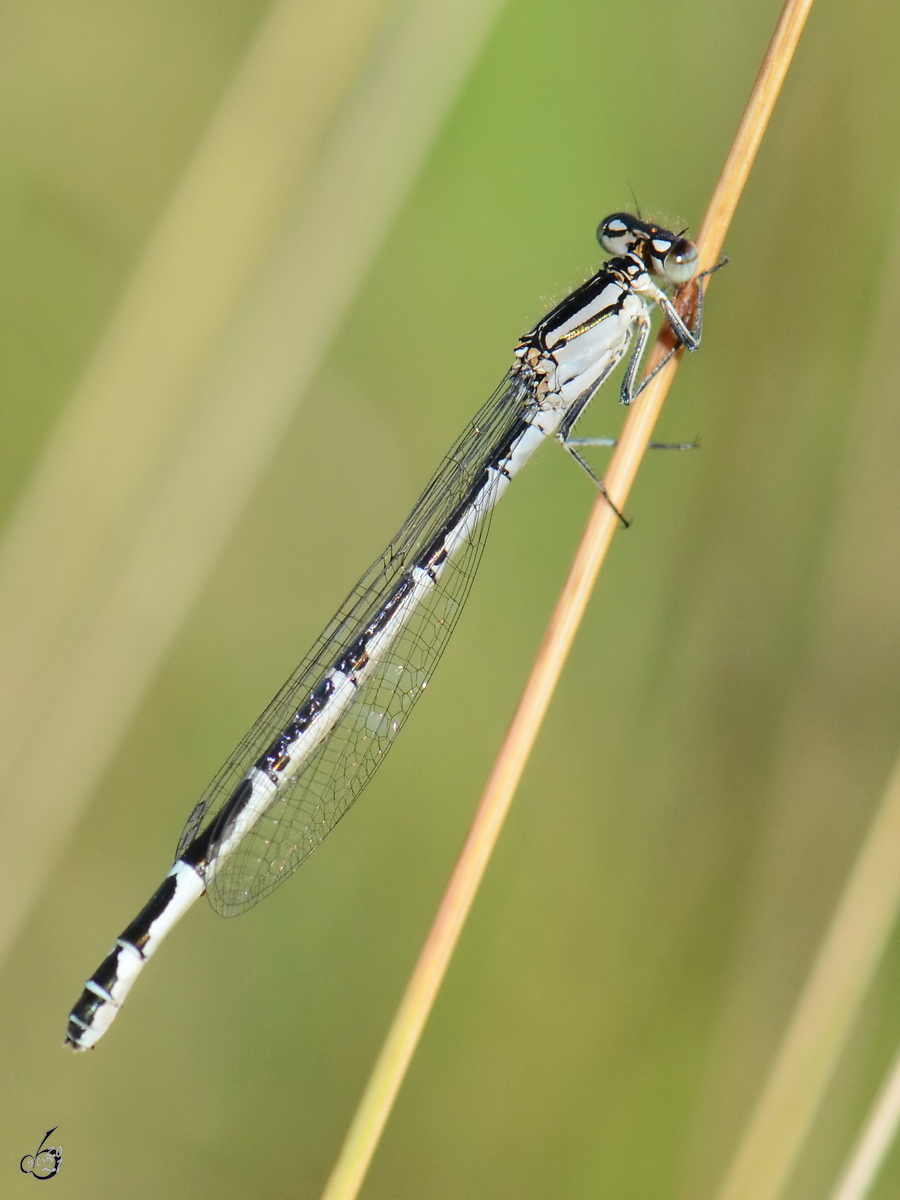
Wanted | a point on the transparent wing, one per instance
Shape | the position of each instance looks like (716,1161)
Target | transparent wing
(311,803)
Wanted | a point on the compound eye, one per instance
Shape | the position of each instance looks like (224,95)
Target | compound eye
(680,264)
(616,234)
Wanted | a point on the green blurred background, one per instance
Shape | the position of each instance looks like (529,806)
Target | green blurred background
(731,709)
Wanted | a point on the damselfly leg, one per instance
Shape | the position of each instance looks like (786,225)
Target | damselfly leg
(688,338)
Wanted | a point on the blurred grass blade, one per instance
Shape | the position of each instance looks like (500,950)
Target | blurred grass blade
(823,1020)
(241,289)
(874,1142)
(418,999)
(824,1014)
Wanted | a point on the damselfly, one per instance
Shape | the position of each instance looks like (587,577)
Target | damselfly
(316,746)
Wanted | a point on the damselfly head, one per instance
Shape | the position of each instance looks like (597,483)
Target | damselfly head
(620,233)
(670,256)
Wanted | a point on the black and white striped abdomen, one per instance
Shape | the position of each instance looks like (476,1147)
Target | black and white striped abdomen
(281,766)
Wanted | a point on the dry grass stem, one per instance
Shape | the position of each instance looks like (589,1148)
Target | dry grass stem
(874,1142)
(824,1014)
(390,1068)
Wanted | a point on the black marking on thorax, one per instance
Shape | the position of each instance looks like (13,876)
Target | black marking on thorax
(610,274)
